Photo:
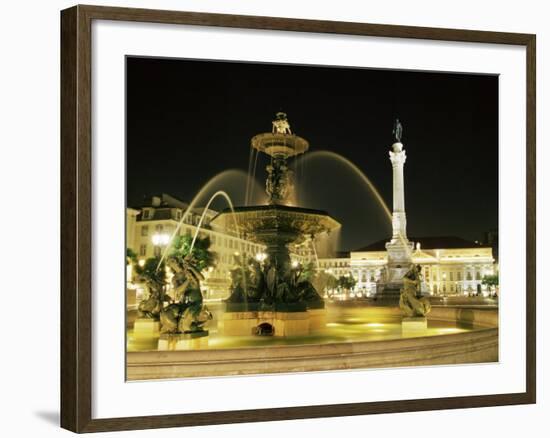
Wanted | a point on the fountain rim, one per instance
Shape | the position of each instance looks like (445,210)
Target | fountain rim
(276,207)
(293,144)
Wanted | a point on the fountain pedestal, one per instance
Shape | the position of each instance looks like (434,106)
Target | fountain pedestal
(183,341)
(414,325)
(146,328)
(272,322)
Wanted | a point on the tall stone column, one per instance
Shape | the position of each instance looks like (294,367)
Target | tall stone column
(399,248)
(399,219)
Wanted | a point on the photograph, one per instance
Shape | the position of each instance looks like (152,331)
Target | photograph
(285,218)
(274,218)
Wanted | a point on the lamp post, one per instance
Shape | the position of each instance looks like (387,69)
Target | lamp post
(261,256)
(160,240)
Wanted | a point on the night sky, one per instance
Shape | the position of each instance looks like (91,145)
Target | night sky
(188,120)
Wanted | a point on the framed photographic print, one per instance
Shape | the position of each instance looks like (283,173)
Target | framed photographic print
(311,210)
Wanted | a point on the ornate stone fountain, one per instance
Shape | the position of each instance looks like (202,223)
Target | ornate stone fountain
(271,296)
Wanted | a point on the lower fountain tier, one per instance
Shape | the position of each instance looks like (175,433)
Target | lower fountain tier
(275,226)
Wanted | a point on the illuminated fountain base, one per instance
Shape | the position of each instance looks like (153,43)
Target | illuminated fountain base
(272,323)
(183,341)
(414,325)
(146,328)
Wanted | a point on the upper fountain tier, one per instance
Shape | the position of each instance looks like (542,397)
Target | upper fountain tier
(279,222)
(280,142)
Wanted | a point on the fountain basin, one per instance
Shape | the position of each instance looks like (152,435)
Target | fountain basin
(280,144)
(276,224)
(469,347)
(445,345)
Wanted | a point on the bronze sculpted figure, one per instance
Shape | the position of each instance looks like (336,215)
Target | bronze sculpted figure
(397,131)
(278,184)
(411,302)
(151,306)
(247,280)
(187,313)
(269,285)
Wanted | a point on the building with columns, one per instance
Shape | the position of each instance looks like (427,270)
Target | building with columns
(450,265)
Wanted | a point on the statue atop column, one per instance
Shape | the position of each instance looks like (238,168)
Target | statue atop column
(397,131)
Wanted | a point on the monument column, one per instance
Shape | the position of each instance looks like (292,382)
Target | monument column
(399,220)
(399,249)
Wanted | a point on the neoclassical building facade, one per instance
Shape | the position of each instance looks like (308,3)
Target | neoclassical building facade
(450,265)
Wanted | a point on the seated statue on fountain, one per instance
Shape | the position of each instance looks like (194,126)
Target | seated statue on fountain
(152,305)
(411,302)
(187,313)
(247,281)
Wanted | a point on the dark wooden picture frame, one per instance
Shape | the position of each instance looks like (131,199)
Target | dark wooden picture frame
(76,218)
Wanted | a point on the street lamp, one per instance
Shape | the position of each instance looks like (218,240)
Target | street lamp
(160,239)
(261,256)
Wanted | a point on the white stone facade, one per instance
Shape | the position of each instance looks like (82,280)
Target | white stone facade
(456,271)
